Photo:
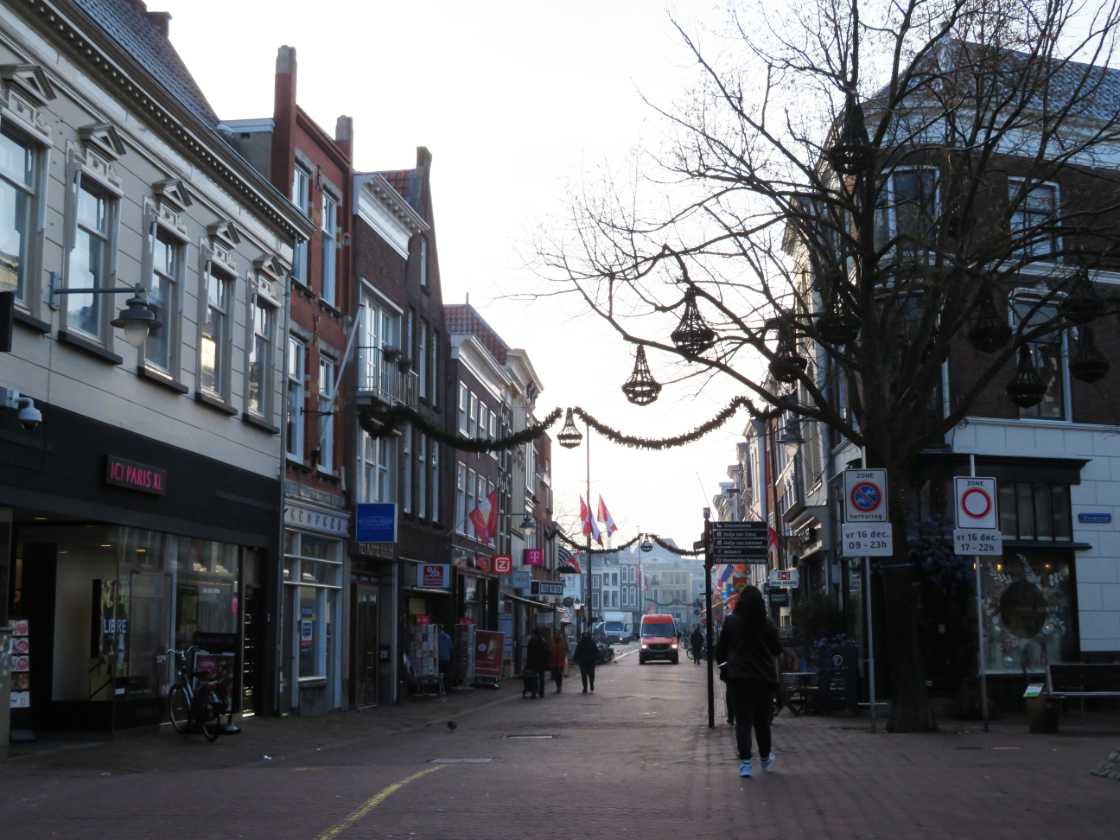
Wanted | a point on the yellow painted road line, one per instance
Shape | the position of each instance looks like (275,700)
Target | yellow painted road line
(373,802)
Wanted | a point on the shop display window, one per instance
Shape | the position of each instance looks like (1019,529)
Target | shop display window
(312,574)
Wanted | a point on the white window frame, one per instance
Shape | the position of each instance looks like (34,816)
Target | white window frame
(433,461)
(380,327)
(891,208)
(261,307)
(406,468)
(170,317)
(463,403)
(472,416)
(422,476)
(422,359)
(295,393)
(328,601)
(27,285)
(433,366)
(85,182)
(327,401)
(301,198)
(1036,248)
(492,432)
(423,262)
(376,468)
(1029,297)
(328,224)
(472,489)
(224,342)
(460,497)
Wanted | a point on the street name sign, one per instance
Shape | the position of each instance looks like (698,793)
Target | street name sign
(865,496)
(973,542)
(976,503)
(874,540)
(738,542)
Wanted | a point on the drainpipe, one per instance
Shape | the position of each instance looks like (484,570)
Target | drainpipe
(276,619)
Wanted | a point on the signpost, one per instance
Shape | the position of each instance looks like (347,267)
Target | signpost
(738,542)
(977,535)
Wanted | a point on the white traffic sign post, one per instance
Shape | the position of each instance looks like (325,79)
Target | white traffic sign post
(977,535)
(867,515)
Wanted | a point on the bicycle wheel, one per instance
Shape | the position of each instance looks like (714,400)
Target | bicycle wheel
(209,722)
(179,709)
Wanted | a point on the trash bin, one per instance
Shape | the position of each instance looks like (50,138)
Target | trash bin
(1042,714)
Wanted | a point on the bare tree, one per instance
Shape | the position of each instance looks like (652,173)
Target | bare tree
(859,194)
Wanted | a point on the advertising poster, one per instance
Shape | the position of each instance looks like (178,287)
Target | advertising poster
(488,646)
(20,647)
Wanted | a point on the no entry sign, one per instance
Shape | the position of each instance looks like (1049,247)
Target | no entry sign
(865,496)
(976,502)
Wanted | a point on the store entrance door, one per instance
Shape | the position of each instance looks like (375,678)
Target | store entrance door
(365,646)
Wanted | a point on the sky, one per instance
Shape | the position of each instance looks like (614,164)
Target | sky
(521,104)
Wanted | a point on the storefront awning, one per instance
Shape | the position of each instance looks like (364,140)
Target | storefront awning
(540,605)
(424,591)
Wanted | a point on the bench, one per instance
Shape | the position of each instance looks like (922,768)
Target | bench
(1083,681)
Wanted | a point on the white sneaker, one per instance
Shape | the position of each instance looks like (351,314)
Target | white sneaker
(768,762)
(745,769)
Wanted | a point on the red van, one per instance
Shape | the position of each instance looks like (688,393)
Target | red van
(659,639)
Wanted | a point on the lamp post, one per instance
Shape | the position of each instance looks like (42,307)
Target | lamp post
(138,318)
(570,437)
(708,617)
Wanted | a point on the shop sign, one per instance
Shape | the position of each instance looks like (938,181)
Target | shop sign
(482,562)
(532,557)
(778,597)
(310,519)
(548,587)
(19,661)
(488,647)
(784,578)
(132,475)
(503,564)
(433,576)
(376,522)
(521,579)
(423,619)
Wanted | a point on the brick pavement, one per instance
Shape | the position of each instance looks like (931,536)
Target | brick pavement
(635,760)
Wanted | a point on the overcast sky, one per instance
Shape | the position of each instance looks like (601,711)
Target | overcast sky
(520,103)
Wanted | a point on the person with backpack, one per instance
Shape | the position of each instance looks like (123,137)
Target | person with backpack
(749,645)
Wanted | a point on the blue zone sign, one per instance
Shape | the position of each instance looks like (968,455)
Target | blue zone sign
(376,522)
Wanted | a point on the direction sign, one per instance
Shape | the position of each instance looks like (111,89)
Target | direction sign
(973,542)
(865,496)
(858,540)
(738,542)
(976,502)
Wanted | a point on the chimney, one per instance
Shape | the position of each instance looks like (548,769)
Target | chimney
(423,158)
(284,117)
(344,135)
(161,21)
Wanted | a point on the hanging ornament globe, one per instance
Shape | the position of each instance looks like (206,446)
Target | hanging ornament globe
(1088,363)
(1027,388)
(787,365)
(641,388)
(569,437)
(989,331)
(852,153)
(693,335)
(1081,305)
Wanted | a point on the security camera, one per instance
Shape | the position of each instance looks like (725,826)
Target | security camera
(29,416)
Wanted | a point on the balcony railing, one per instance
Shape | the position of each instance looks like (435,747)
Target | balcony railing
(380,378)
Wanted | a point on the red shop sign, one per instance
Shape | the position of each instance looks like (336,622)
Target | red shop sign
(503,564)
(482,562)
(120,472)
(532,557)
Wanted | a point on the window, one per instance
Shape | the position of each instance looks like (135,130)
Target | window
(433,367)
(463,400)
(422,358)
(312,577)
(460,498)
(1035,511)
(301,198)
(1049,352)
(90,261)
(907,213)
(1034,228)
(259,399)
(380,328)
(329,225)
(490,493)
(483,411)
(375,468)
(326,413)
(297,369)
(406,461)
(472,417)
(472,489)
(167,260)
(409,334)
(434,463)
(19,177)
(422,476)
(423,263)
(215,333)
(492,421)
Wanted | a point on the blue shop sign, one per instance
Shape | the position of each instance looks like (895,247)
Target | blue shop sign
(376,522)
(1094,518)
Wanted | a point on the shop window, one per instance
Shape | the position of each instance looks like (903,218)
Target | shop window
(1029,613)
(1035,511)
(312,573)
(19,185)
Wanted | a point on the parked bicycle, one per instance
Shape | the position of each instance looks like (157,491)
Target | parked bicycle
(198,698)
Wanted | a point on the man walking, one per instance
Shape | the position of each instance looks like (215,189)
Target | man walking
(696,641)
(536,660)
(586,656)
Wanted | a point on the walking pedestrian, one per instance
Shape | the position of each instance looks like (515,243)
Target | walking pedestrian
(586,657)
(558,659)
(696,641)
(749,644)
(536,660)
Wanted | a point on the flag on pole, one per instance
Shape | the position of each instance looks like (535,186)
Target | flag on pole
(567,561)
(606,518)
(590,526)
(484,517)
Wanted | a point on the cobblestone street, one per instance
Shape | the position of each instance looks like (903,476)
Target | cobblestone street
(633,759)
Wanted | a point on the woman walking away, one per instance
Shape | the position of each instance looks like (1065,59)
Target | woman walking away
(558,660)
(536,660)
(696,641)
(748,644)
(586,656)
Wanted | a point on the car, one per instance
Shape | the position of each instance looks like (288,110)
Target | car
(605,652)
(658,635)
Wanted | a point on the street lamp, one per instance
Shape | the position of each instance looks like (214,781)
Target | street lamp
(570,437)
(137,319)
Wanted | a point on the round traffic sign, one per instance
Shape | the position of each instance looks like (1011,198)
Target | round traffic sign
(976,502)
(866,496)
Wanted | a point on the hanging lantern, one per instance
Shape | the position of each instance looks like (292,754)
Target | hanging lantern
(1081,305)
(1088,364)
(692,336)
(787,365)
(836,326)
(569,437)
(641,388)
(1027,388)
(852,153)
(989,331)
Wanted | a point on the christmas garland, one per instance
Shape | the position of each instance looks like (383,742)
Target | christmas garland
(667,546)
(616,436)
(398,414)
(683,552)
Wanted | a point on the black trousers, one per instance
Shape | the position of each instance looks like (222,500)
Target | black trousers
(587,676)
(558,677)
(751,700)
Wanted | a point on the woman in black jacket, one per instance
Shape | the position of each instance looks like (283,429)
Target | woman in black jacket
(587,656)
(749,644)
(536,659)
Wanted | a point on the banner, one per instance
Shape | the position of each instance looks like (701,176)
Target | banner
(488,646)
